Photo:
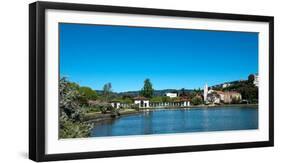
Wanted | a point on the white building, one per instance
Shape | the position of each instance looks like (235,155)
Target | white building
(172,95)
(142,102)
(226,85)
(213,98)
(186,103)
(115,104)
(229,96)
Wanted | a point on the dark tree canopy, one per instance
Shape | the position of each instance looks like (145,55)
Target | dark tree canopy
(197,100)
(251,78)
(147,90)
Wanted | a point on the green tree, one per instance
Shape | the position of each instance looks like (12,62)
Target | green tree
(156,99)
(107,90)
(70,112)
(147,90)
(182,92)
(88,93)
(196,100)
(127,100)
(251,79)
(166,99)
(197,91)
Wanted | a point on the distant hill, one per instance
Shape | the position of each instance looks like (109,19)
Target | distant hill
(232,85)
(227,84)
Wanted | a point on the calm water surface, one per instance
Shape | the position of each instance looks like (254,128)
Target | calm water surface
(180,121)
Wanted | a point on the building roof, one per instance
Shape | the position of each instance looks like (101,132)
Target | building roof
(184,98)
(140,98)
(96,102)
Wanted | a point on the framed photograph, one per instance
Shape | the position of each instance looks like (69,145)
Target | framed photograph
(109,81)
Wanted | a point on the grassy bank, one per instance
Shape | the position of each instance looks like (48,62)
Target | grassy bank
(98,116)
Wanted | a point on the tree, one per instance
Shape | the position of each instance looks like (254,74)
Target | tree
(69,100)
(197,91)
(147,90)
(70,112)
(249,93)
(107,89)
(166,99)
(183,93)
(88,93)
(197,100)
(251,79)
(157,99)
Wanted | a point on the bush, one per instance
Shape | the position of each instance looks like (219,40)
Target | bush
(102,106)
(72,129)
(90,109)
(196,100)
(135,106)
(71,113)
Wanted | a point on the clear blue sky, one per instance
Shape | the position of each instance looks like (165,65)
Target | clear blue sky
(93,55)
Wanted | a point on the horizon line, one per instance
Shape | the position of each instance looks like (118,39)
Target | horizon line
(124,91)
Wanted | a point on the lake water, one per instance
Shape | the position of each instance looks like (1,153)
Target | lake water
(180,121)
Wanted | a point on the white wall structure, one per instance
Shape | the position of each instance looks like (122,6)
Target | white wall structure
(142,103)
(186,103)
(115,104)
(172,95)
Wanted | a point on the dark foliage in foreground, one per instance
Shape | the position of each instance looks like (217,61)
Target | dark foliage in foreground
(71,114)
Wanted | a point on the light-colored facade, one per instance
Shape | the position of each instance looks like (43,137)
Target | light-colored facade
(221,95)
(116,104)
(213,98)
(186,103)
(142,102)
(171,95)
(229,96)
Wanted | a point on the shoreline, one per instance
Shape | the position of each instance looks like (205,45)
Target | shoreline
(97,117)
(199,106)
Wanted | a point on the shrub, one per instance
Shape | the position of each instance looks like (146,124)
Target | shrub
(196,100)
(135,106)
(71,113)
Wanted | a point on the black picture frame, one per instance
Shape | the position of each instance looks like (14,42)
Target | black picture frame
(37,80)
